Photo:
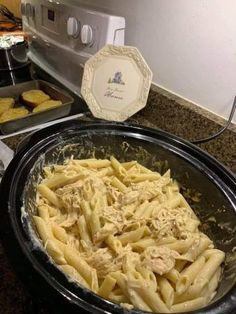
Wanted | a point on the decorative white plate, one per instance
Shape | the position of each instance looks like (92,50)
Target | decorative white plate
(116,82)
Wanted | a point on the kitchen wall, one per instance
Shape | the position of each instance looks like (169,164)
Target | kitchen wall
(189,44)
(12,5)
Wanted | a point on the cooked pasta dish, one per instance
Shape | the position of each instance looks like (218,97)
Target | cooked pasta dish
(126,233)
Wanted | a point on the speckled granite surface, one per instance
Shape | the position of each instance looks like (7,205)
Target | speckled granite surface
(187,121)
(163,111)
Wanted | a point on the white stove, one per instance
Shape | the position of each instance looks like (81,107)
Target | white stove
(64,35)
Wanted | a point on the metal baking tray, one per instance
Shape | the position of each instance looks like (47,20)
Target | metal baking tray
(33,119)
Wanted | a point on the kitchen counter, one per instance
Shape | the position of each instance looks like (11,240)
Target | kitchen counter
(164,111)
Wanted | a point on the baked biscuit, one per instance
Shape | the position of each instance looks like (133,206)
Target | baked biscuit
(34,97)
(6,103)
(13,113)
(49,104)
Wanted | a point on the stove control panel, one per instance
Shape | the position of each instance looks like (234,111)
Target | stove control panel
(64,35)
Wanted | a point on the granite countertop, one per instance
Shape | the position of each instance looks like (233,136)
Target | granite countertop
(163,111)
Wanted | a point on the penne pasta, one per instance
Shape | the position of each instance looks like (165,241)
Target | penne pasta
(52,211)
(107,286)
(117,166)
(171,203)
(126,233)
(149,277)
(180,246)
(188,275)
(192,225)
(189,305)
(134,178)
(143,169)
(94,222)
(142,244)
(212,285)
(210,267)
(61,179)
(118,184)
(121,282)
(141,209)
(117,297)
(74,275)
(137,300)
(83,230)
(114,243)
(49,195)
(133,236)
(43,228)
(54,251)
(73,258)
(60,233)
(152,299)
(173,275)
(197,248)
(94,281)
(43,212)
(94,163)
(166,291)
(108,171)
(86,210)
(127,165)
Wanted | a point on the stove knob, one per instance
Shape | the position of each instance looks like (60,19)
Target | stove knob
(86,34)
(32,11)
(22,8)
(29,10)
(73,27)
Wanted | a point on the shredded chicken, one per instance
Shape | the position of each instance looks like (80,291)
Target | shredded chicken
(159,259)
(170,222)
(103,261)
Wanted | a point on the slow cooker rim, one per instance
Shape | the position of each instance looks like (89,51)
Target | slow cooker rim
(101,124)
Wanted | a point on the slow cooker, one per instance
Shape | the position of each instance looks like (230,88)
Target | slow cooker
(195,170)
